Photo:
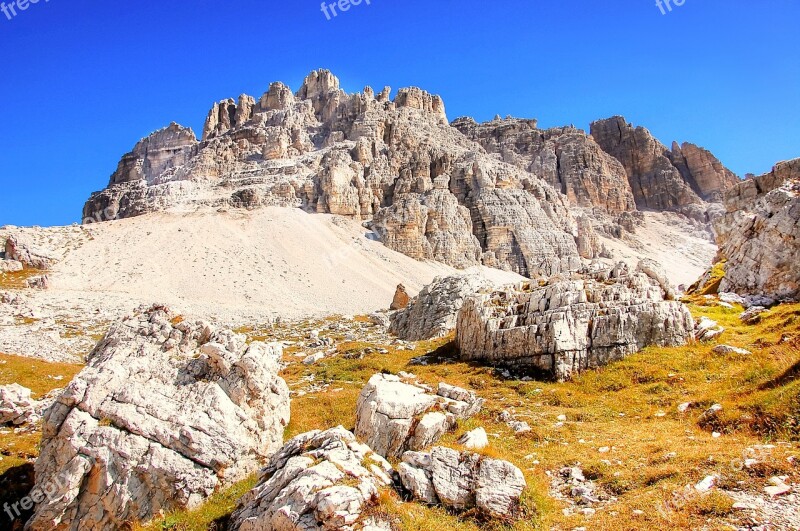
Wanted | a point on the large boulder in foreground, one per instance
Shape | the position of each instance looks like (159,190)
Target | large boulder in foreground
(165,412)
(567,325)
(759,235)
(393,416)
(463,481)
(320,480)
(433,313)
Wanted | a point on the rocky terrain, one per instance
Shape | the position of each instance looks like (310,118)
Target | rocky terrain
(759,235)
(343,311)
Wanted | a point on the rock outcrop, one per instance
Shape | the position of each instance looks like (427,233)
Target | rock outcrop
(393,417)
(433,313)
(424,188)
(17,249)
(566,325)
(566,158)
(166,411)
(759,235)
(680,179)
(320,480)
(463,481)
(16,405)
(400,299)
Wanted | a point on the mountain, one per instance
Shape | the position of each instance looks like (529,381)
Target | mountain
(503,194)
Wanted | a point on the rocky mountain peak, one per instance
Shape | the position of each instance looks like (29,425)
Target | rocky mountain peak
(681,179)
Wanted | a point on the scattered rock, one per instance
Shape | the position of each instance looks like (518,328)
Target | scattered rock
(10,266)
(16,405)
(320,480)
(314,358)
(706,484)
(777,488)
(18,249)
(753,315)
(725,350)
(708,329)
(38,282)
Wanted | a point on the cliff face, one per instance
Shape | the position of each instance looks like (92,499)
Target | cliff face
(680,179)
(421,185)
(566,158)
(759,235)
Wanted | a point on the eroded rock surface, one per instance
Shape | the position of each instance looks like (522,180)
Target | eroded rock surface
(166,411)
(566,157)
(16,405)
(567,325)
(463,481)
(393,416)
(433,313)
(18,249)
(680,179)
(320,480)
(759,235)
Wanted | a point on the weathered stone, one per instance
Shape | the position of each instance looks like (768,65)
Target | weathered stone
(165,412)
(393,417)
(566,326)
(725,350)
(18,249)
(759,235)
(16,405)
(567,158)
(38,282)
(400,299)
(464,481)
(10,266)
(475,439)
(753,315)
(708,329)
(320,480)
(433,313)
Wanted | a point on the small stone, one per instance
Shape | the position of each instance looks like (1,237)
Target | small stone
(725,350)
(314,358)
(475,439)
(706,484)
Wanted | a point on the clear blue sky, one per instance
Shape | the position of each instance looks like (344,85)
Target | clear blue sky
(83,81)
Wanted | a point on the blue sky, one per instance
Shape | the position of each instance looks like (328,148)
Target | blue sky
(81,81)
